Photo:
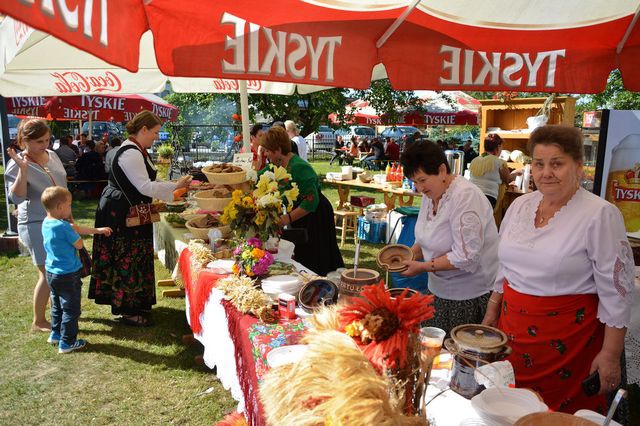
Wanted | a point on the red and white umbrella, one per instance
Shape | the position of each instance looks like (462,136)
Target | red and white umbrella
(446,108)
(566,46)
(90,107)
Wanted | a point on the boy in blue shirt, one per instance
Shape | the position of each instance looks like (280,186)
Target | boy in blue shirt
(62,242)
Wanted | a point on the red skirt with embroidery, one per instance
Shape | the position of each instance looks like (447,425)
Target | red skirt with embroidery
(554,341)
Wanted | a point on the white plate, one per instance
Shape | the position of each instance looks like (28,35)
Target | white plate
(506,405)
(221,264)
(285,355)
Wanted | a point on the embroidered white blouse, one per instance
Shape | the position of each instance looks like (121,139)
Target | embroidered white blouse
(132,164)
(463,229)
(582,250)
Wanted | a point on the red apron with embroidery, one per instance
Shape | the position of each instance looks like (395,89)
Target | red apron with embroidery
(554,341)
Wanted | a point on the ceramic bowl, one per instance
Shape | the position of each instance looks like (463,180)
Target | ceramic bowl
(507,405)
(396,292)
(203,233)
(317,293)
(392,257)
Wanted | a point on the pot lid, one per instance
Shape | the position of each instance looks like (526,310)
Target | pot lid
(477,336)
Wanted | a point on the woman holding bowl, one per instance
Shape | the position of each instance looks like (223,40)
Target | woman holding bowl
(456,238)
(123,275)
(564,291)
(28,174)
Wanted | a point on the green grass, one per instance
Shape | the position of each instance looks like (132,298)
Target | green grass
(125,375)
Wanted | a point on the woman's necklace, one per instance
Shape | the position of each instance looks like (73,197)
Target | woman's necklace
(42,165)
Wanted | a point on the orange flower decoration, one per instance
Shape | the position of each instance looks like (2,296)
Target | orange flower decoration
(235,117)
(381,325)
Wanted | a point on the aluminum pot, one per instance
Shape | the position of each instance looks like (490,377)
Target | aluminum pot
(473,345)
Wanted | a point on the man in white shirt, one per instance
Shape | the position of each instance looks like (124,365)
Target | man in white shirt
(294,135)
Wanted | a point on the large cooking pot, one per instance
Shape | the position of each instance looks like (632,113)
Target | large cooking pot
(473,345)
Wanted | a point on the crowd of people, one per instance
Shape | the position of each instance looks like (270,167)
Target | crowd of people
(86,159)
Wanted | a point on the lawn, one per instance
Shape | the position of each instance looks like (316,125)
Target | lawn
(125,375)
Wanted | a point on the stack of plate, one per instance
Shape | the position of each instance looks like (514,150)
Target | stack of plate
(393,256)
(277,284)
(504,406)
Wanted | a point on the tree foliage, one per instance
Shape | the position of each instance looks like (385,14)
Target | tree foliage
(309,110)
(614,96)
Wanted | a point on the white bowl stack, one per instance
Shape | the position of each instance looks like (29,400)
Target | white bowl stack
(504,406)
(277,284)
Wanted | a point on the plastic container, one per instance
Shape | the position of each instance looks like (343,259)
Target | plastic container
(371,231)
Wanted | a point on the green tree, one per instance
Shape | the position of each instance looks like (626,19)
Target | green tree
(203,109)
(614,96)
(310,110)
(388,103)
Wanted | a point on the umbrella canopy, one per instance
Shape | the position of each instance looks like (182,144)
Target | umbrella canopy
(94,107)
(543,45)
(446,108)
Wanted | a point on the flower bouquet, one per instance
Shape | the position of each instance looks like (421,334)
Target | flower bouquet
(250,259)
(257,214)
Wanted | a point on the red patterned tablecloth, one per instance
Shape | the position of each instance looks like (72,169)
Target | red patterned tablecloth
(252,338)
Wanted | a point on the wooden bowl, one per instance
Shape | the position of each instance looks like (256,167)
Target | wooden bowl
(206,202)
(392,257)
(352,286)
(225,178)
(556,419)
(203,233)
(396,292)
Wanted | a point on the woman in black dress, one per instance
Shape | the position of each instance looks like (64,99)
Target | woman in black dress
(123,274)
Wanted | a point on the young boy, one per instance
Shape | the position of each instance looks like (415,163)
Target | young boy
(62,242)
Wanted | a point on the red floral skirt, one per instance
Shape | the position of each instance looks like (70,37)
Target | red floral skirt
(554,341)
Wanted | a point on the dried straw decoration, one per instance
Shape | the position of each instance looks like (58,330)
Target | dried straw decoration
(334,384)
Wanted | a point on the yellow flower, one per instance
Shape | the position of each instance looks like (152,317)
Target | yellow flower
(280,173)
(247,270)
(260,218)
(247,202)
(246,255)
(233,212)
(354,329)
(292,194)
(236,196)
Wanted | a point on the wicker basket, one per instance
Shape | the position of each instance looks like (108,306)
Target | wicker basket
(203,233)
(226,178)
(206,202)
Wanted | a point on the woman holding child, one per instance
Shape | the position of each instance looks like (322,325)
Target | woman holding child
(123,274)
(28,174)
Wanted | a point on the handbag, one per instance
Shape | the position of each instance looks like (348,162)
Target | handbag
(142,214)
(139,214)
(85,259)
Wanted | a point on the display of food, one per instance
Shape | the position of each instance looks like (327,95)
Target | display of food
(224,173)
(175,220)
(200,226)
(176,206)
(201,186)
(281,268)
(215,199)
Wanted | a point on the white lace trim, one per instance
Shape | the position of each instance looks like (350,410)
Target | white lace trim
(471,232)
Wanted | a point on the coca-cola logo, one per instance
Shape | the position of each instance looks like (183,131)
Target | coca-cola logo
(73,82)
(20,31)
(227,85)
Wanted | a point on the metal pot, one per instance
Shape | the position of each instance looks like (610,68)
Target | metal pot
(473,345)
(455,158)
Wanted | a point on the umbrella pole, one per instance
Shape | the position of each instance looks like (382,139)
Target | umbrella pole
(90,136)
(244,110)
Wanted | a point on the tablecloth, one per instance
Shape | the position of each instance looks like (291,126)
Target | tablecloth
(234,343)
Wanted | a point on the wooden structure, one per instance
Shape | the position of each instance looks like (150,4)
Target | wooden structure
(511,117)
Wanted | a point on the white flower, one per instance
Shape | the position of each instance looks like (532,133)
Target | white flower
(252,175)
(268,200)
